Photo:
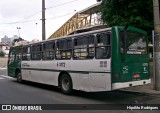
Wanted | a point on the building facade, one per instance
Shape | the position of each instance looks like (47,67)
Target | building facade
(4,47)
(6,39)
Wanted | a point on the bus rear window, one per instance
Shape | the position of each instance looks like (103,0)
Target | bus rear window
(133,43)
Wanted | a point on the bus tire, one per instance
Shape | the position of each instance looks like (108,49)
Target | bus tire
(19,77)
(66,84)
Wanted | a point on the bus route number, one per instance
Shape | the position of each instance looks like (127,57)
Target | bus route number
(61,64)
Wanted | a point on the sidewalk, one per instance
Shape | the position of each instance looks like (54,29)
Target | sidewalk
(3,62)
(145,89)
(3,71)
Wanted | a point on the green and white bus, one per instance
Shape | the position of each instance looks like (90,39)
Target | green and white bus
(100,60)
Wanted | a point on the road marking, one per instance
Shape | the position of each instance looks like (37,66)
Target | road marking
(1,78)
(2,68)
(4,76)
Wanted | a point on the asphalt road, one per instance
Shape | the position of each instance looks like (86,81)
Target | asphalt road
(12,92)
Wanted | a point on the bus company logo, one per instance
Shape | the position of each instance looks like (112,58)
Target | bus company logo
(145,64)
(125,70)
(6,107)
(25,65)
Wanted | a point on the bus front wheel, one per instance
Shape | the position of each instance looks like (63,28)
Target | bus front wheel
(19,77)
(66,84)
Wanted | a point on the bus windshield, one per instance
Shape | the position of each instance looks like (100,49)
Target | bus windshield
(133,43)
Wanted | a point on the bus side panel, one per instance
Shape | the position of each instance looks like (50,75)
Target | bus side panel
(101,75)
(41,72)
(91,76)
(115,56)
(80,74)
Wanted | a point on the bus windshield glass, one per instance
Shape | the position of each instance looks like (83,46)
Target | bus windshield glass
(133,43)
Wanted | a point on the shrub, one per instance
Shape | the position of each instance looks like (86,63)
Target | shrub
(2,54)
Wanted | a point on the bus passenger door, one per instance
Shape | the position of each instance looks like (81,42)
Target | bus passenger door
(11,64)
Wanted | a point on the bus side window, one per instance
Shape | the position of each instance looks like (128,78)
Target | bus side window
(36,52)
(18,54)
(58,54)
(103,46)
(91,48)
(84,47)
(26,53)
(63,49)
(80,48)
(48,51)
(11,57)
(122,42)
(17,58)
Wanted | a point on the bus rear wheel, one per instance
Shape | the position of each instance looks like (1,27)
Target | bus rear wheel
(66,84)
(19,77)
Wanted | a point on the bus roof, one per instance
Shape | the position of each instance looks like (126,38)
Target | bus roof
(83,33)
(73,35)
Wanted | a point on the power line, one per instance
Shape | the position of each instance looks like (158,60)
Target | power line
(60,16)
(52,1)
(49,8)
(21,21)
(62,4)
(30,15)
(37,20)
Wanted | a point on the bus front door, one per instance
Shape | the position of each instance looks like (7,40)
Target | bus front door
(11,64)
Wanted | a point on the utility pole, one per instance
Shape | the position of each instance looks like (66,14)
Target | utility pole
(18,28)
(156,44)
(43,20)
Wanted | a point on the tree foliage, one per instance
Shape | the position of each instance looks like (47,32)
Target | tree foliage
(17,40)
(137,13)
(2,54)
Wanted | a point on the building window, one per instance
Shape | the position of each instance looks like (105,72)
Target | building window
(7,48)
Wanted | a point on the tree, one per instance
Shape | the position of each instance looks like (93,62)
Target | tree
(17,40)
(137,13)
(2,54)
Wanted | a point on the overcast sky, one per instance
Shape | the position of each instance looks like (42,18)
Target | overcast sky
(26,14)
